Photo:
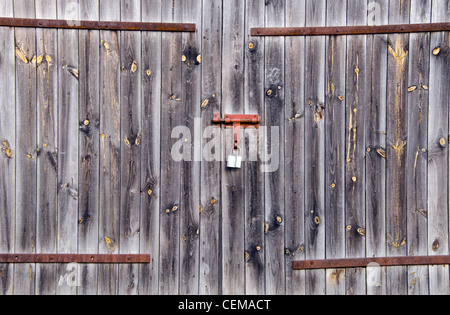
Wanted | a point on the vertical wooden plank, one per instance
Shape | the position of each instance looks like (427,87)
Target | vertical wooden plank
(295,148)
(169,268)
(417,190)
(190,170)
(210,238)
(110,140)
(335,146)
(397,129)
(274,177)
(233,249)
(25,154)
(376,141)
(356,101)
(438,130)
(150,151)
(89,145)
(8,147)
(130,117)
(47,141)
(68,76)
(315,146)
(254,178)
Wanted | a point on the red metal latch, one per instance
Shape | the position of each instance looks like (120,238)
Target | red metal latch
(237,121)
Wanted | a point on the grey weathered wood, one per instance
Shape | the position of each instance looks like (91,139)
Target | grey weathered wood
(68,125)
(397,131)
(335,146)
(233,189)
(376,141)
(131,134)
(25,152)
(356,100)
(438,130)
(274,177)
(8,147)
(294,148)
(210,202)
(171,117)
(89,146)
(315,220)
(150,151)
(190,170)
(110,141)
(47,142)
(417,190)
(254,178)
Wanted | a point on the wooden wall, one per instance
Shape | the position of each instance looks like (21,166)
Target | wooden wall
(86,131)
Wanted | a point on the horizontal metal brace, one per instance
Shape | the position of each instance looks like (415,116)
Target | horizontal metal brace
(98,25)
(73,258)
(351,30)
(366,262)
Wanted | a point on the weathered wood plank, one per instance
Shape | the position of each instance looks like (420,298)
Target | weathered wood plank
(438,165)
(89,146)
(25,153)
(376,141)
(47,142)
(315,142)
(172,110)
(417,190)
(274,175)
(356,100)
(131,134)
(233,189)
(254,178)
(190,170)
(110,141)
(150,154)
(68,76)
(335,146)
(397,131)
(8,147)
(295,148)
(210,222)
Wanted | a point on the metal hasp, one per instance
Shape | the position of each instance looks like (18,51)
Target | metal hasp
(365,262)
(73,258)
(350,30)
(237,121)
(98,25)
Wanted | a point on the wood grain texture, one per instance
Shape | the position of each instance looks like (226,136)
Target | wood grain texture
(294,148)
(8,147)
(89,145)
(233,188)
(417,187)
(47,144)
(150,151)
(110,141)
(210,277)
(315,220)
(255,270)
(171,117)
(335,114)
(26,167)
(397,131)
(438,155)
(375,127)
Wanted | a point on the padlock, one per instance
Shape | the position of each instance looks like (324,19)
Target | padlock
(235,160)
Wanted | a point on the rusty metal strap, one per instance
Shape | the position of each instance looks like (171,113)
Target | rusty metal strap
(73,258)
(350,30)
(98,25)
(365,262)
